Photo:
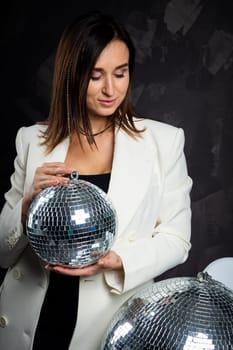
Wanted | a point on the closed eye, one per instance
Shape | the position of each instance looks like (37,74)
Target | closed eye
(121,72)
(95,78)
(119,75)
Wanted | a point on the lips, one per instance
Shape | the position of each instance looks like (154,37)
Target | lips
(107,103)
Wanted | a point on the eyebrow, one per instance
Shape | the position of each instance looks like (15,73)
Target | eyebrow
(125,65)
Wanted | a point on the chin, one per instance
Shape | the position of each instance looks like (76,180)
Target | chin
(106,112)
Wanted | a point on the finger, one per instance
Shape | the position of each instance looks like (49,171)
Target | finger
(52,164)
(56,168)
(110,261)
(84,271)
(62,270)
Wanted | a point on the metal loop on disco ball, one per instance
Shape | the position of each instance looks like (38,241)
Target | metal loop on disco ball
(183,313)
(71,225)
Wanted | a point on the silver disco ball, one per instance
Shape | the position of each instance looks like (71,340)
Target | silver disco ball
(71,225)
(183,313)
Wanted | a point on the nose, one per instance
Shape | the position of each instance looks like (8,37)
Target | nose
(108,86)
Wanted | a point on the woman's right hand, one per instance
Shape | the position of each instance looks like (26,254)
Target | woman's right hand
(48,174)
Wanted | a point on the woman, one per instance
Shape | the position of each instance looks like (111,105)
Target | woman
(140,163)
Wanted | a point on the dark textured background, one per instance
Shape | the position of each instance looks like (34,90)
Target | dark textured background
(184,72)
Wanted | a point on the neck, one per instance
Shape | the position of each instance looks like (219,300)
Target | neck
(108,126)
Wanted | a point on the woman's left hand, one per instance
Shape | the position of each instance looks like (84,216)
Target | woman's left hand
(110,261)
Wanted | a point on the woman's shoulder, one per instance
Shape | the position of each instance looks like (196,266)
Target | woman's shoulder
(165,137)
(28,137)
(156,127)
(31,132)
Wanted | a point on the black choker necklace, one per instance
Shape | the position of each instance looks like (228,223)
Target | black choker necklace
(97,133)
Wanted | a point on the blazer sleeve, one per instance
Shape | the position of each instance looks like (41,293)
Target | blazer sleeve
(168,243)
(12,238)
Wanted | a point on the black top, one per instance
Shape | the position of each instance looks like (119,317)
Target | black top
(59,311)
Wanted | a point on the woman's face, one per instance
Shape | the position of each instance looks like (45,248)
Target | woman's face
(109,81)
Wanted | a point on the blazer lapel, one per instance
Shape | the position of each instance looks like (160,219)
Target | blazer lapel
(133,162)
(59,152)
(131,173)
(37,156)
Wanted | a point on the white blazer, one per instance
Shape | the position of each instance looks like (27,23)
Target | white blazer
(150,189)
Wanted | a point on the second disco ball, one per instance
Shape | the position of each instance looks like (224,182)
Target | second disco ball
(71,225)
(183,313)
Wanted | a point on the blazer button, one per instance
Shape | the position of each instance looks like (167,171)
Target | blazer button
(132,237)
(3,321)
(17,274)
